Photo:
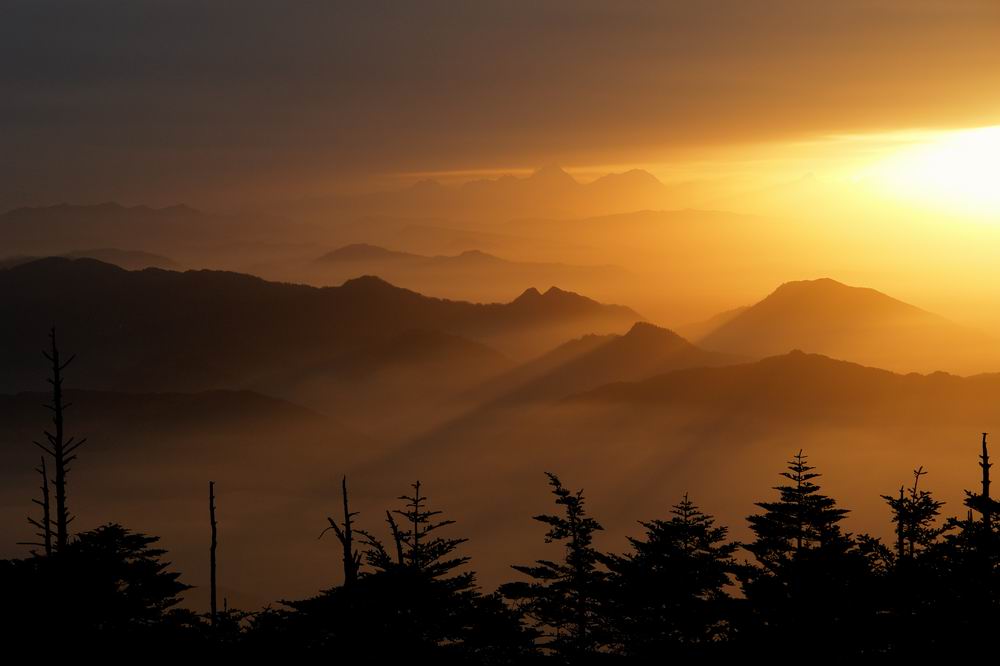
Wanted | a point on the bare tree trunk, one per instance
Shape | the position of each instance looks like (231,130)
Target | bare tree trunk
(345,534)
(900,527)
(985,464)
(45,524)
(59,447)
(212,548)
(351,559)
(397,536)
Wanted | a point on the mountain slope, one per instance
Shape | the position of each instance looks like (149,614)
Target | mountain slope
(549,191)
(589,362)
(854,323)
(470,274)
(401,383)
(721,433)
(210,329)
(130,260)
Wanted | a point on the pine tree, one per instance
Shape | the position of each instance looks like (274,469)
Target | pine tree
(966,563)
(413,600)
(417,545)
(914,513)
(811,579)
(669,592)
(565,597)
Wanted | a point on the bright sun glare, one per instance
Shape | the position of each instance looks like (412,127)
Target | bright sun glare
(957,171)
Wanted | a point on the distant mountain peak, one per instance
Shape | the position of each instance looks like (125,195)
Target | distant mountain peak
(828,288)
(638,176)
(529,294)
(363,252)
(56,265)
(552,174)
(476,254)
(643,330)
(823,282)
(367,283)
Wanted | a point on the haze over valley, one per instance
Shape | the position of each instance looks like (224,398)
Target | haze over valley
(315,255)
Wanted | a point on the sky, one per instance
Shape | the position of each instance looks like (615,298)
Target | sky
(158,102)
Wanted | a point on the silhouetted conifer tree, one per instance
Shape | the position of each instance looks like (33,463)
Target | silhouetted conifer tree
(411,602)
(565,598)
(966,566)
(107,587)
(811,578)
(669,592)
(914,512)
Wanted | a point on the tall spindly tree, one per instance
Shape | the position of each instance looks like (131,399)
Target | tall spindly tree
(565,597)
(60,448)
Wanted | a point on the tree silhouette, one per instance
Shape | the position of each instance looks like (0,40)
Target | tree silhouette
(213,588)
(57,446)
(810,578)
(564,599)
(43,524)
(345,534)
(412,601)
(914,513)
(107,586)
(669,592)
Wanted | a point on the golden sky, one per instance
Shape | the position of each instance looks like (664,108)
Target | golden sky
(162,102)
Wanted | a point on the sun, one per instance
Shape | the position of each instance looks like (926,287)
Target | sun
(953,171)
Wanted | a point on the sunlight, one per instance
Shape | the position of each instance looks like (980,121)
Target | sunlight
(957,171)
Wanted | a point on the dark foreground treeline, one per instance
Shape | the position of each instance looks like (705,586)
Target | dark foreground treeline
(802,588)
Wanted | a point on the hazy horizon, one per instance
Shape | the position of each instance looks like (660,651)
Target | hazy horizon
(651,248)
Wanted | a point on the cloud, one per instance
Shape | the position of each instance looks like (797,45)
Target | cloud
(177,99)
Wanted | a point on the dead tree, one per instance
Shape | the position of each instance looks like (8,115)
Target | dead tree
(57,446)
(345,534)
(901,526)
(45,524)
(211,550)
(985,464)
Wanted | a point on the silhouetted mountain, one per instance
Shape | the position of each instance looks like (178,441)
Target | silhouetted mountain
(210,329)
(190,236)
(715,431)
(591,361)
(441,270)
(698,330)
(547,191)
(801,386)
(399,383)
(131,260)
(363,253)
(859,324)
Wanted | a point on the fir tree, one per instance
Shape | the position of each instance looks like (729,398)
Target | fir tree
(914,513)
(564,598)
(810,578)
(669,592)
